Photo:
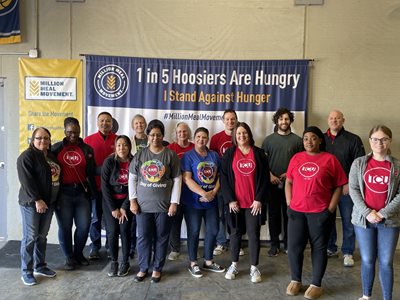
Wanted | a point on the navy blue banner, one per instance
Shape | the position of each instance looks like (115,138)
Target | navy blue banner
(199,85)
(9,22)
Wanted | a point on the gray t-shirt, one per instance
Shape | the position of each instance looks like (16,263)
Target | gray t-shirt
(280,149)
(155,173)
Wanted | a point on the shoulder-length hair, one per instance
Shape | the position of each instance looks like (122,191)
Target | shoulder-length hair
(128,142)
(247,128)
(31,145)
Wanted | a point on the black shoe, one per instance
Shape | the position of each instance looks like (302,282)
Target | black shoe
(274,251)
(69,264)
(81,260)
(124,269)
(113,269)
(138,278)
(155,279)
(94,254)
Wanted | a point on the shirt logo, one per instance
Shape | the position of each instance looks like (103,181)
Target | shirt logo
(206,172)
(225,146)
(245,166)
(72,158)
(377,180)
(152,170)
(123,177)
(308,169)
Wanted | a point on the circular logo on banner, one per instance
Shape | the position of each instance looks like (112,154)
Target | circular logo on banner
(245,166)
(7,6)
(152,170)
(205,172)
(72,158)
(309,169)
(111,82)
(377,180)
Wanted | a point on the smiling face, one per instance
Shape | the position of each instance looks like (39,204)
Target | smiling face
(284,123)
(155,138)
(41,140)
(200,140)
(182,134)
(335,121)
(139,125)
(380,143)
(242,137)
(311,142)
(104,124)
(122,148)
(229,121)
(72,132)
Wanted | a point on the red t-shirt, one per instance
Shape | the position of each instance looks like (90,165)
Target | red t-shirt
(314,178)
(102,148)
(220,142)
(376,181)
(244,169)
(73,164)
(180,150)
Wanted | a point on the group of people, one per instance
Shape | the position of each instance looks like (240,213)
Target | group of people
(142,188)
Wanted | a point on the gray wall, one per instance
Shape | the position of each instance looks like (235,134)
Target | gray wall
(354,43)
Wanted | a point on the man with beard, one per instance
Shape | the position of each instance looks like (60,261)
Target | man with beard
(102,143)
(279,148)
(346,146)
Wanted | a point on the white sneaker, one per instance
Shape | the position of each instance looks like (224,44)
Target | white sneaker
(348,260)
(173,255)
(232,272)
(255,275)
(241,252)
(219,250)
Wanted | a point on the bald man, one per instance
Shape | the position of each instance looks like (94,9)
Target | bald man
(346,146)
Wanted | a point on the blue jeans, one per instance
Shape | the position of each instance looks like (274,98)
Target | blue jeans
(35,228)
(152,229)
(221,235)
(95,225)
(73,208)
(193,219)
(377,241)
(349,238)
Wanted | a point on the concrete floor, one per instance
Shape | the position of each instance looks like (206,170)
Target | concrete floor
(92,282)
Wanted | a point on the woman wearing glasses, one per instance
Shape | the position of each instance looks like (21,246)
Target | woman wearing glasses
(38,173)
(154,191)
(77,170)
(374,187)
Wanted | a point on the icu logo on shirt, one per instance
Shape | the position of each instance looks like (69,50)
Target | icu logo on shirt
(206,172)
(245,166)
(308,169)
(72,158)
(152,170)
(377,180)
(111,82)
(123,177)
(225,146)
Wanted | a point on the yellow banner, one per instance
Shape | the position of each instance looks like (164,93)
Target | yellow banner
(49,91)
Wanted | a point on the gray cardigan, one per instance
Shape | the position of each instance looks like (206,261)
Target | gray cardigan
(391,211)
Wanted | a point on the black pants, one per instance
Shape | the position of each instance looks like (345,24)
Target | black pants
(175,234)
(277,210)
(114,230)
(313,227)
(243,221)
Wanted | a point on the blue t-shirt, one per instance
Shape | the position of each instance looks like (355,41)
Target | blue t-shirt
(205,172)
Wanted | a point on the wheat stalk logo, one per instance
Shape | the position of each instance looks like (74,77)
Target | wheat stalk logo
(111,79)
(34,88)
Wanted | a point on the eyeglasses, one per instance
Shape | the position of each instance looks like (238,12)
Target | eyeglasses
(382,140)
(42,138)
(155,135)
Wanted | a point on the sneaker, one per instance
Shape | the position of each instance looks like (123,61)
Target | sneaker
(113,269)
(195,271)
(219,250)
(124,269)
(81,260)
(241,252)
(94,254)
(232,272)
(173,255)
(332,253)
(214,267)
(313,292)
(69,264)
(348,260)
(294,288)
(255,275)
(273,251)
(28,279)
(45,271)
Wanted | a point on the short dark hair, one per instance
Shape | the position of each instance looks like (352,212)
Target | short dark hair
(202,129)
(71,121)
(319,134)
(245,126)
(155,124)
(104,113)
(226,111)
(280,112)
